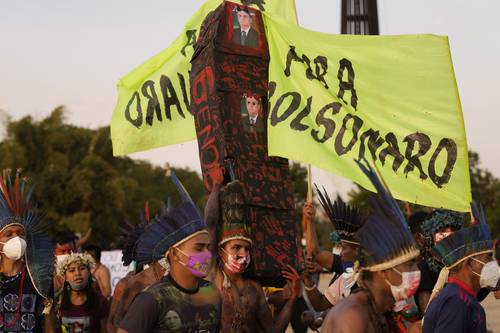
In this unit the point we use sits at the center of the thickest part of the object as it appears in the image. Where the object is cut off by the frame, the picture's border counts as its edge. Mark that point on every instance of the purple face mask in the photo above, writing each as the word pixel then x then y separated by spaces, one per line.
pixel 198 263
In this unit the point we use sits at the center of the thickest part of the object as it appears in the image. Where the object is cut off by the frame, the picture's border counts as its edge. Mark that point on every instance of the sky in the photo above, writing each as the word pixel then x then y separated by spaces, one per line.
pixel 72 53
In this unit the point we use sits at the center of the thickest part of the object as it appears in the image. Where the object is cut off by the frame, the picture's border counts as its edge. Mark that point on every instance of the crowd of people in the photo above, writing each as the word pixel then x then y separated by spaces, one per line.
pixel 426 272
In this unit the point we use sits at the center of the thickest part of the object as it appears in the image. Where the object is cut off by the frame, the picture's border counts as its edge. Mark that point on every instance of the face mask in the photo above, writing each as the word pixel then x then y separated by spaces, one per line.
pixel 407 288
pixel 14 248
pixel 236 263
pixel 490 273
pixel 198 263
pixel 337 250
pixel 78 286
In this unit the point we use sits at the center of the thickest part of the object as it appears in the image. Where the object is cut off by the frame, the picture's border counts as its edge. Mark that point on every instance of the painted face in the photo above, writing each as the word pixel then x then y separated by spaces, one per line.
pixel 244 20
pixel 408 276
pixel 173 320
pixel 236 255
pixel 253 107
pixel 237 247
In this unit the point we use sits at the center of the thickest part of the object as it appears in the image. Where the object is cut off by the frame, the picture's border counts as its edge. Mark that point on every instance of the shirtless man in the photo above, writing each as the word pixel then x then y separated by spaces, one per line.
pixel 99 272
pixel 244 305
pixel 388 258
pixel 346 221
pixel 115 300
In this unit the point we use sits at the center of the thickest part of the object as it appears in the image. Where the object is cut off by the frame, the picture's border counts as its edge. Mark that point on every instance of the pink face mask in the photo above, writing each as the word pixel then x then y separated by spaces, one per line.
pixel 198 263
pixel 407 288
pixel 236 263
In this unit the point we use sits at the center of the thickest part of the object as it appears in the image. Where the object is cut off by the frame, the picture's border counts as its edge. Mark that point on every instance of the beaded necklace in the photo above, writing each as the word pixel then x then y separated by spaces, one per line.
pixel 19 300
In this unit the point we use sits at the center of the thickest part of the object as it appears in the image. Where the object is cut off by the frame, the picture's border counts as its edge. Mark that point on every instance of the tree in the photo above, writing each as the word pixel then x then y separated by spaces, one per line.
pixel 486 192
pixel 78 182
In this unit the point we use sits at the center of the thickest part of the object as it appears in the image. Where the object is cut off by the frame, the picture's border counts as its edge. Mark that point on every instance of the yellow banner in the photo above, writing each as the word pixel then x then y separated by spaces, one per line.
pixel 153 100
pixel 390 99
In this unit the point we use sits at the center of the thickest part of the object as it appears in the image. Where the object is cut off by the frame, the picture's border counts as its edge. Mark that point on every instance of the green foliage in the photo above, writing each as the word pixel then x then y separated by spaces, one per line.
pixel 485 191
pixel 298 174
pixel 78 182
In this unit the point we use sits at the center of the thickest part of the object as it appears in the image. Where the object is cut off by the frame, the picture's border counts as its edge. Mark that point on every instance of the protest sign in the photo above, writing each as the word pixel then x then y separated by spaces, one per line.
pixel 390 99
pixel 113 261
pixel 153 108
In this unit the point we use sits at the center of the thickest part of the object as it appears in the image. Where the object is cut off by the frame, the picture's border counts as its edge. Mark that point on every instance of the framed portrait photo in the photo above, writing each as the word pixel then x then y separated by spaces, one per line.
pixel 244 26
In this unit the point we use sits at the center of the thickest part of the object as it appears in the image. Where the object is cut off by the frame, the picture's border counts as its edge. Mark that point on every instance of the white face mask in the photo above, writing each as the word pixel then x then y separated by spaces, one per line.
pixel 408 286
pixel 490 273
pixel 14 248
pixel 337 250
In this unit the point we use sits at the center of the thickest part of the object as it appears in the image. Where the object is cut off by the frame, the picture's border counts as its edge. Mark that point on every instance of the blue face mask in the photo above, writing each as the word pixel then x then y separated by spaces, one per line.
pixel 347 264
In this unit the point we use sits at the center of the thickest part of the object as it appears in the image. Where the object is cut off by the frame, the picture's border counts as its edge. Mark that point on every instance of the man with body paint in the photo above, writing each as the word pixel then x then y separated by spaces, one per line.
pixel 245 308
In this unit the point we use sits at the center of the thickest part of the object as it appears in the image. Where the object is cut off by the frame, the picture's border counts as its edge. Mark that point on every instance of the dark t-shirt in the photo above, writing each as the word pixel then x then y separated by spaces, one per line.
pixel 337 268
pixel 30 310
pixel 166 307
pixel 76 319
pixel 456 310
pixel 428 277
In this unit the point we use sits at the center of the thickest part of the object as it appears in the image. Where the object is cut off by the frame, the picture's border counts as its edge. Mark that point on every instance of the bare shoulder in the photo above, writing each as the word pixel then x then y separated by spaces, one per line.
pixel 136 282
pixel 121 284
pixel 256 287
pixel 349 315
pixel 255 283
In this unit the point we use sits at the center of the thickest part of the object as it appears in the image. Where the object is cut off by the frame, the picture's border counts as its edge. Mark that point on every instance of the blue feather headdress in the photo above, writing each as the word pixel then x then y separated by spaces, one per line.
pixel 385 238
pixel 15 209
pixel 130 236
pixel 465 242
pixel 345 219
pixel 170 228
pixel 440 219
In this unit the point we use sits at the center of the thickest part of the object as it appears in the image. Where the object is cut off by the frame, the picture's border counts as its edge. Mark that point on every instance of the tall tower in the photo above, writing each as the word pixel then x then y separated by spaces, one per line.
pixel 359 17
